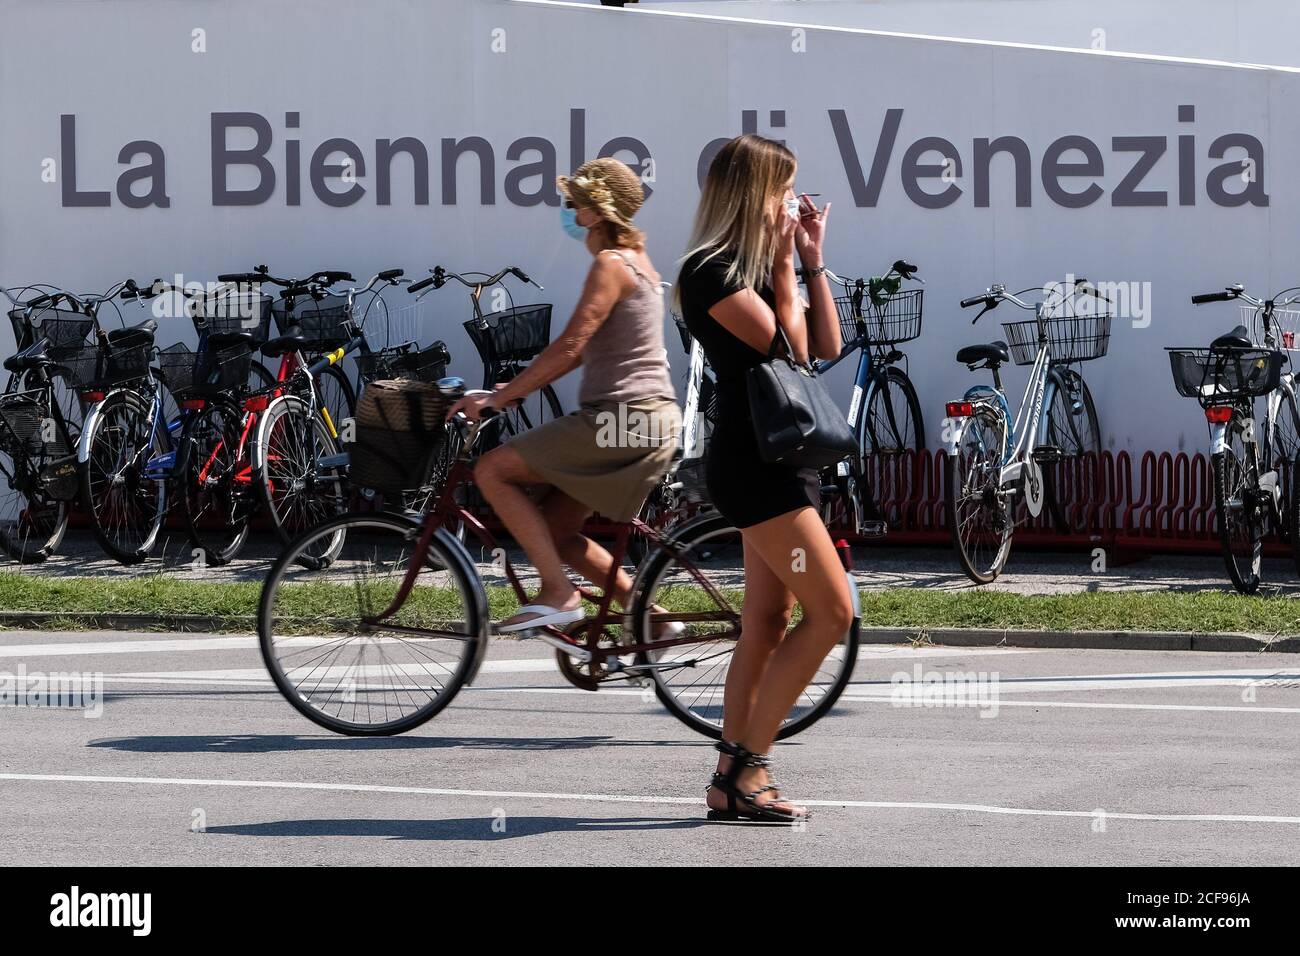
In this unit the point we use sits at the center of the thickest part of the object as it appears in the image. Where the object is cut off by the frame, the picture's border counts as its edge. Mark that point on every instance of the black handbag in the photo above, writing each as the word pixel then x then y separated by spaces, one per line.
pixel 795 420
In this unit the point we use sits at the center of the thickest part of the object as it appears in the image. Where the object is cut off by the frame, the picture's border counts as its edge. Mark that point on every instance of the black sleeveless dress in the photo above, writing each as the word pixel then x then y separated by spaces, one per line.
pixel 744 487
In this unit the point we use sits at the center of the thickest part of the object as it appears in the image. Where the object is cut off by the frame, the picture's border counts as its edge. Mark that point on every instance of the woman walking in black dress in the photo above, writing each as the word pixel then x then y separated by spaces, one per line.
pixel 736 286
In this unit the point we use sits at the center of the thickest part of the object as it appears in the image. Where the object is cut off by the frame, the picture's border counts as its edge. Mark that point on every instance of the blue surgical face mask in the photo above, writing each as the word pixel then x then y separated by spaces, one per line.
pixel 569 222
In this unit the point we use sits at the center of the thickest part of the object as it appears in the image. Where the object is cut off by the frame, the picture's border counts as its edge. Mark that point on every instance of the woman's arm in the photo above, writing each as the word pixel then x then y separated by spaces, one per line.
pixel 745 315
pixel 823 322
pixel 606 283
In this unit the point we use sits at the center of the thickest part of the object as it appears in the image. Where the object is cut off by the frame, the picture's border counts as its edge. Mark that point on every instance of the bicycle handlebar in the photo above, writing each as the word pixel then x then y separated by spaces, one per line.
pixel 438 278
pixel 1227 295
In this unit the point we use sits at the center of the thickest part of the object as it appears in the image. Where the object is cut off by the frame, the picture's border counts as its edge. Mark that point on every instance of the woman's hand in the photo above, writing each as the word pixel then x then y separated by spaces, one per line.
pixel 811 232
pixel 473 406
pixel 786 228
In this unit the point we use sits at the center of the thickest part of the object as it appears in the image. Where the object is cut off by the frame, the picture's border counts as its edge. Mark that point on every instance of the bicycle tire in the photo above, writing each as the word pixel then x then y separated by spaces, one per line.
pixel 119 422
pixel 446 556
pixel 1241 525
pixel 281 461
pixel 985 456
pixel 1075 440
pixel 700 534
pixel 41 520
pixel 218 510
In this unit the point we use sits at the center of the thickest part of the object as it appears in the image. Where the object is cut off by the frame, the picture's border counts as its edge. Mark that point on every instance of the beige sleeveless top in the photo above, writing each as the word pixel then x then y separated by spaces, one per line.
pixel 625 361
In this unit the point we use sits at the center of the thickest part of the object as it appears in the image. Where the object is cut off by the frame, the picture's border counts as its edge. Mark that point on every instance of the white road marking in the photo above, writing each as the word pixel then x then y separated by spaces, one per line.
pixel 635 798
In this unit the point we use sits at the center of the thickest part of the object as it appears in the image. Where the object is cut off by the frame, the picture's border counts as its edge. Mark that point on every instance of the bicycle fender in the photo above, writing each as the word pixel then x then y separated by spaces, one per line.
pixel 1218 438
pixel 88 426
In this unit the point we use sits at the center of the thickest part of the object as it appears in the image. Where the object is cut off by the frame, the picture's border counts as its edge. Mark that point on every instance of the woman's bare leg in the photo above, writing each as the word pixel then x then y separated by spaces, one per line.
pixel 503 475
pixel 797 550
pixel 566 516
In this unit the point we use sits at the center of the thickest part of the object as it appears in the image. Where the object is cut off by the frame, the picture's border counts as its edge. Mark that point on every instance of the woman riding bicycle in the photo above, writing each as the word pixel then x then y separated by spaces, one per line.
pixel 737 287
pixel 608 455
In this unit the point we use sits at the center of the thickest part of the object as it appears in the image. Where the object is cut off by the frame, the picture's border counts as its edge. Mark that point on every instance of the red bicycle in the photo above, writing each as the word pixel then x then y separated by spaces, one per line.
pixel 380 637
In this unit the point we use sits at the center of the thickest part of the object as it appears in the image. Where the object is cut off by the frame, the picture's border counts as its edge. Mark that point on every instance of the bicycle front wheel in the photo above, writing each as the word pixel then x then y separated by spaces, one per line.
pixel 219 502
pixel 979 513
pixel 122 488
pixel 335 654
pixel 1241 510
pixel 690 678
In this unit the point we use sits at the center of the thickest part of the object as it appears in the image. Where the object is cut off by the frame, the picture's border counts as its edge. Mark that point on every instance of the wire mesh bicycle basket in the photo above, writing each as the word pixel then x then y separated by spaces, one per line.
pixel 92 367
pixel 1217 375
pixel 187 373
pixel 323 321
pixel 425 365
pixel 230 312
pixel 1071 338
pixel 896 320
pixel 512 335
pixel 24 426
pixel 63 329
pixel 400 429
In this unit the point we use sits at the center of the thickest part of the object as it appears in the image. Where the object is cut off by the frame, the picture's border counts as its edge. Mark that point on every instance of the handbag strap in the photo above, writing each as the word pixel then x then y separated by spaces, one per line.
pixel 778 339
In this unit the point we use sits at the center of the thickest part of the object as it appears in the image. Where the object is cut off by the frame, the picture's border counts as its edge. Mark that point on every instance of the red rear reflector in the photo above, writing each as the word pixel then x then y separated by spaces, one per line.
pixel 194 404
pixel 93 397
pixel 960 409
pixel 1219 414
pixel 257 403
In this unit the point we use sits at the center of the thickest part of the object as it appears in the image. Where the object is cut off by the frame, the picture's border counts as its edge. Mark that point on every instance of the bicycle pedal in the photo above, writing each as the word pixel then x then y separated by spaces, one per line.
pixel 874 529
pixel 1045 454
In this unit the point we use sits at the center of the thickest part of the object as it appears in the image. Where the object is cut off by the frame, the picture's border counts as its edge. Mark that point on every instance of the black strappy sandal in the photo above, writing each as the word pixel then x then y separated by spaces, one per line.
pixel 745 806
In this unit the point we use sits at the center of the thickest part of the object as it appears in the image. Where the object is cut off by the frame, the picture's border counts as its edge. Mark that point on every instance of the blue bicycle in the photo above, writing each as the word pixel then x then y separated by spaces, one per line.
pixel 876 316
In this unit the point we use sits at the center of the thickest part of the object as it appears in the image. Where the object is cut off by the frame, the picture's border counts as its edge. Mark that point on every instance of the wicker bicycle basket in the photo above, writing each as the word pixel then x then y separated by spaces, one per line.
pixel 1071 338
pixel 400 428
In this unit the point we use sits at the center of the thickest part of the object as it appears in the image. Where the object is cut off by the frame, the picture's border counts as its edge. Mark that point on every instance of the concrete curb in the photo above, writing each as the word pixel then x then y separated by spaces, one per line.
pixel 1097 640
pixel 950 637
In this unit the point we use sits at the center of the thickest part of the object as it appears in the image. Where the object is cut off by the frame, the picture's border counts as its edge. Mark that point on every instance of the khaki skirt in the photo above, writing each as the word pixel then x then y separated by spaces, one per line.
pixel 608 455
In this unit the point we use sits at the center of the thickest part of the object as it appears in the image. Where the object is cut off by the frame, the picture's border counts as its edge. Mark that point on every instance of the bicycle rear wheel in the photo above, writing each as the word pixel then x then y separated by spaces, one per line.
pixel 1072 428
pixel 1242 514
pixel 297 491
pixel 218 504
pixel 348 672
pixel 979 513
pixel 31 522
pixel 690 679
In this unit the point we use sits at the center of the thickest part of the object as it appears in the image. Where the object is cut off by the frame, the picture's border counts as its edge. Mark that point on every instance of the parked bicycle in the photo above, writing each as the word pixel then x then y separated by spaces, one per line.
pixel 994 465
pixel 506 341
pixel 381 636
pixel 876 316
pixel 40 422
pixel 1249 464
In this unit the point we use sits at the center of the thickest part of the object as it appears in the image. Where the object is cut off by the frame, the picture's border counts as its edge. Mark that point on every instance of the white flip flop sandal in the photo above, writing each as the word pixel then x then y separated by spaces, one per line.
pixel 546 617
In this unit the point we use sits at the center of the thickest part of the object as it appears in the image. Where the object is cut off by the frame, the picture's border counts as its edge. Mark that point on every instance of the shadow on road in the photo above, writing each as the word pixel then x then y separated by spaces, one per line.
pixel 468 828
pixel 292 743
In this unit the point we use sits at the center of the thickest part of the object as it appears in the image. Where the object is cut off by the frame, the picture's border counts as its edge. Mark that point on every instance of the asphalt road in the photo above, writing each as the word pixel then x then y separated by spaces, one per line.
pixel 1089 757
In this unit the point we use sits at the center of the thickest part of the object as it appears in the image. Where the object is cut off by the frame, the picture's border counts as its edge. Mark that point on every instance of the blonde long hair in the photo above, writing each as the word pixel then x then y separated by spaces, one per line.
pixel 744 177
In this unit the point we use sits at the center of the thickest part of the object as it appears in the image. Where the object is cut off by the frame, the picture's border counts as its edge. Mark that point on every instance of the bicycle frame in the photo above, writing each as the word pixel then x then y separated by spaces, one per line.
pixel 446 508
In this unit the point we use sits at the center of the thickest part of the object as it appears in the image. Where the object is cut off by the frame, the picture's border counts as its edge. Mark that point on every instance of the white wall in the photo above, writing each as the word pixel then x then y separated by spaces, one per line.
pixel 428 70
pixel 1244 31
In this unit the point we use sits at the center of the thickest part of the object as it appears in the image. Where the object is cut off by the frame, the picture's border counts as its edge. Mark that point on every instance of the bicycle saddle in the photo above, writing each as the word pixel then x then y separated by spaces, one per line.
pixel 291 341
pixel 995 353
pixel 32 357
pixel 141 334
pixel 222 340
pixel 1238 338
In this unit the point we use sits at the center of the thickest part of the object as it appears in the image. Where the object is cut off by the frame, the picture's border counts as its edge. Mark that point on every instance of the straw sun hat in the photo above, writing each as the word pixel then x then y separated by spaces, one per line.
pixel 612 189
